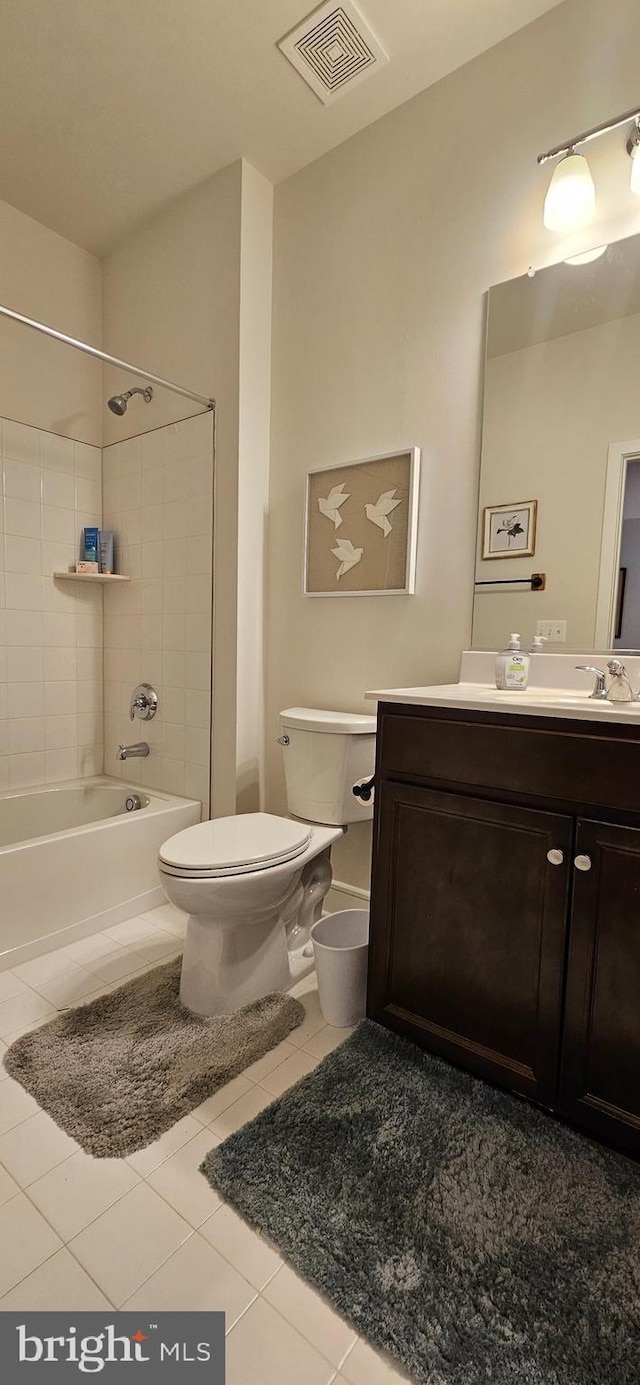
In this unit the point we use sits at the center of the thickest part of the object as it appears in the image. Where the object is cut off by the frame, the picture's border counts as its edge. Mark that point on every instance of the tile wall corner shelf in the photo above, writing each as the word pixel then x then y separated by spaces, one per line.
pixel 92 577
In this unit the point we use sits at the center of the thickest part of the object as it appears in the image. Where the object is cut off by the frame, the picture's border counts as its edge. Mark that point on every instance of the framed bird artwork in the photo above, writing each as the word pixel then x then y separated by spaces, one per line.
pixel 361 526
pixel 510 530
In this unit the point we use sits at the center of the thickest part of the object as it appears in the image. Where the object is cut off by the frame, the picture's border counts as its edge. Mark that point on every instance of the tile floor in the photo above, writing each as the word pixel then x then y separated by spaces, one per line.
pixel 148 1232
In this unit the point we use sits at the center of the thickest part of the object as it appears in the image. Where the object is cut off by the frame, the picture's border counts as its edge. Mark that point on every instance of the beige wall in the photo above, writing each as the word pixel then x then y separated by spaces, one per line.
pixel 42 382
pixel 551 414
pixel 171 303
pixel 383 252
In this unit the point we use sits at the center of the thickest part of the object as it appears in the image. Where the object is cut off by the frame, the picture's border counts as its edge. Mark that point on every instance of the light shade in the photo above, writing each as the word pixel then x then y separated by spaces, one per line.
pixel 634 181
pixel 571 198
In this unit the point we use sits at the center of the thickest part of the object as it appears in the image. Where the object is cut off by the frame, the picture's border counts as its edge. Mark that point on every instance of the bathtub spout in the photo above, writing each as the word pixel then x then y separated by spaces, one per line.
pixel 128 752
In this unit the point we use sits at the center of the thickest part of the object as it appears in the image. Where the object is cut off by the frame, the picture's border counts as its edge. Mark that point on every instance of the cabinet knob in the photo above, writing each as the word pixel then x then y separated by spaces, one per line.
pixel 555 856
pixel 582 863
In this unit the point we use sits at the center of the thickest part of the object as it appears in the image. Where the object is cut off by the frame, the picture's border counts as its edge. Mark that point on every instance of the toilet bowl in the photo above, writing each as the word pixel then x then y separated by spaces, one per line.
pixel 245 907
pixel 252 885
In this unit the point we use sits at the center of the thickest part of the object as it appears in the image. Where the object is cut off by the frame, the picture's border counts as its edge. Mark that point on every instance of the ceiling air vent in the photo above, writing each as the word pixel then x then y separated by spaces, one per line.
pixel 333 49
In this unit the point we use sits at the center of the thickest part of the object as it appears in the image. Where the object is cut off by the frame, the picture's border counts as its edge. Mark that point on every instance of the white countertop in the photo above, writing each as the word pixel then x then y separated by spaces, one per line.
pixel 556 688
pixel 543 702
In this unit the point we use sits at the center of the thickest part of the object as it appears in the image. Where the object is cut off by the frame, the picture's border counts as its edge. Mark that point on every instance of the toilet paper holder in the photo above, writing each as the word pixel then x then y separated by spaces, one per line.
pixel 364 789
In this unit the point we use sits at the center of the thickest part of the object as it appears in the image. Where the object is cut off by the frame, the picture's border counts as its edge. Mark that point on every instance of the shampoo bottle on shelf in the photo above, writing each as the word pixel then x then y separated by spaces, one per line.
pixel 512 666
pixel 90 544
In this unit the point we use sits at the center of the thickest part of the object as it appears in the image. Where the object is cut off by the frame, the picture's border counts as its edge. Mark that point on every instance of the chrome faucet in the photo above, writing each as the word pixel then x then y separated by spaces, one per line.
pixel 620 689
pixel 129 752
pixel 600 689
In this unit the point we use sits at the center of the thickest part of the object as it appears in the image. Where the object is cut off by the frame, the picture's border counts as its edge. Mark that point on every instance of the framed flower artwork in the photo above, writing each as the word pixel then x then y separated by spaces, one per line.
pixel 510 530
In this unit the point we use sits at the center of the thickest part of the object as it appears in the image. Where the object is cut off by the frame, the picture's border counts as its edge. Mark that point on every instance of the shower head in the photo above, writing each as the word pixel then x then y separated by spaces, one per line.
pixel 118 402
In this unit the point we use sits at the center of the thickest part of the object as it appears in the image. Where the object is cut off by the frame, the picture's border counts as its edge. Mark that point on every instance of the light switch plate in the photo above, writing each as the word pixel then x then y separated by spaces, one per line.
pixel 555 631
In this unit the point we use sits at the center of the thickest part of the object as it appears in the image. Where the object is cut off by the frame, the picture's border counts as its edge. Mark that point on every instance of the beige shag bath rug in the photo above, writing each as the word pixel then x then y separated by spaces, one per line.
pixel 119 1071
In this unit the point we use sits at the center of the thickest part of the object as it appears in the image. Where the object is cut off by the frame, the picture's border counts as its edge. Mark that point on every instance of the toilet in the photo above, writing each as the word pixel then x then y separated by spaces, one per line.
pixel 253 884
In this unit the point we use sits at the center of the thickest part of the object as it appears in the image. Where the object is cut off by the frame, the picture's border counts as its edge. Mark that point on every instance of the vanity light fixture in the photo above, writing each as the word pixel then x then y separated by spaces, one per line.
pixel 633 150
pixel 571 196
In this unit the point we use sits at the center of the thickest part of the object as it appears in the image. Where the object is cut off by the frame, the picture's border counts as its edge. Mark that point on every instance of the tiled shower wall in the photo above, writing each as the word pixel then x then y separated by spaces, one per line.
pixel 158 499
pixel 50 631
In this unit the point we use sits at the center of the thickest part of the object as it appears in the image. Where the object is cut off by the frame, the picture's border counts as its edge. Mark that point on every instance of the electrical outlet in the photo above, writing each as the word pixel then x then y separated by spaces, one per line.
pixel 555 631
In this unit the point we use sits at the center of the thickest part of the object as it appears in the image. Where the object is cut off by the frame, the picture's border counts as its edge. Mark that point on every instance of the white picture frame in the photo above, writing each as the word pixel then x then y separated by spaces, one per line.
pixel 361 526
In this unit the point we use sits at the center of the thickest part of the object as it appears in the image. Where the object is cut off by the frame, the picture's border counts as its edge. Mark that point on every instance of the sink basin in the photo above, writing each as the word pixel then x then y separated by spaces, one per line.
pixel 556 697
pixel 540 695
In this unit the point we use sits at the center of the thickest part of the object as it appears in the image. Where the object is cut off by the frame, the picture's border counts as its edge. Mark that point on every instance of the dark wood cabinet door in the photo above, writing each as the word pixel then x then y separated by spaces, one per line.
pixel 600 1079
pixel 468 932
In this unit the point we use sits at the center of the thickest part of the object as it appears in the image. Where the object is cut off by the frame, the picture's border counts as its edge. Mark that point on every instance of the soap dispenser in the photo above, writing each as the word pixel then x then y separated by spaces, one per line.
pixel 512 666
pixel 538 644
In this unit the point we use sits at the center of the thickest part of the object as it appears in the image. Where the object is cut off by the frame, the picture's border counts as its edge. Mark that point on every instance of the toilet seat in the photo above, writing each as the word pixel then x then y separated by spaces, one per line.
pixel 233 846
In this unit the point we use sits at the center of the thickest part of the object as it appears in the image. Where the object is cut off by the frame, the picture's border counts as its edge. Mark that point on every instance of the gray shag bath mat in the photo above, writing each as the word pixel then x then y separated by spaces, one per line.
pixel 464 1232
pixel 119 1071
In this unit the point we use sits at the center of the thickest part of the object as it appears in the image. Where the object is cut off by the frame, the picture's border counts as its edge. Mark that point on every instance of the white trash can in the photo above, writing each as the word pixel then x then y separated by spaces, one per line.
pixel 340 946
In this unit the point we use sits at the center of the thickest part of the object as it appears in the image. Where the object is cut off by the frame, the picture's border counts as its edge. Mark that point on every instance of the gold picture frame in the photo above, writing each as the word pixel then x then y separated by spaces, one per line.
pixel 361 522
pixel 509 531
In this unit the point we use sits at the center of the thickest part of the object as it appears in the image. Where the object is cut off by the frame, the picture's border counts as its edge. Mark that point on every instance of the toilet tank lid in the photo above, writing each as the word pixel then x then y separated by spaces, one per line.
pixel 339 723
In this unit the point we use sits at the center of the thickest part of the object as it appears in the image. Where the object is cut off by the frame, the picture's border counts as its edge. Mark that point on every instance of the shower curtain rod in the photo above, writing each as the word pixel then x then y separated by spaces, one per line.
pixel 103 356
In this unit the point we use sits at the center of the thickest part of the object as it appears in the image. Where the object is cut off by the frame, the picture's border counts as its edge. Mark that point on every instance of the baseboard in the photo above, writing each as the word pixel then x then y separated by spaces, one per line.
pixel 344 896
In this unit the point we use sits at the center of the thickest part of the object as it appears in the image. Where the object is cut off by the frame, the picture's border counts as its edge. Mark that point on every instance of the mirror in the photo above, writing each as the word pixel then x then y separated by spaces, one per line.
pixel 560 471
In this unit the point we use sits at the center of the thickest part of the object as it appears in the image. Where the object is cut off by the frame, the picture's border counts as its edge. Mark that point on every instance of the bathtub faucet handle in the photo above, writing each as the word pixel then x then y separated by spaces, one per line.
pixel 144 702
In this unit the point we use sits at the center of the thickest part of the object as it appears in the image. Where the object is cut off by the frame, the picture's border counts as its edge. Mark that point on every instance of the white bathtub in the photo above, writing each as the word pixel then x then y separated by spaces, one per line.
pixel 73 860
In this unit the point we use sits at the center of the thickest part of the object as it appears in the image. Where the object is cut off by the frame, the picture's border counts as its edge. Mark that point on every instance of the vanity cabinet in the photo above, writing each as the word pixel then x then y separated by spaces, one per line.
pixel 600 1079
pixel 505 916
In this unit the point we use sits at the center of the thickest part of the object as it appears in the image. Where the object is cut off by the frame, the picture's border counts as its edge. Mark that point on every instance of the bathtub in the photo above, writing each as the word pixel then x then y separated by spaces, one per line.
pixel 75 858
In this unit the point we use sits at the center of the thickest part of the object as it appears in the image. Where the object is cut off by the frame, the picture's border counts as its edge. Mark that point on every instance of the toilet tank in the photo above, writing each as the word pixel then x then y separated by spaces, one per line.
pixel 325 755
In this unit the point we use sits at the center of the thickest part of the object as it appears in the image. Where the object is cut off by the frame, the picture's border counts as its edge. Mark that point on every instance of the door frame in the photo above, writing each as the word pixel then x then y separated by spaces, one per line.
pixel 618 458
